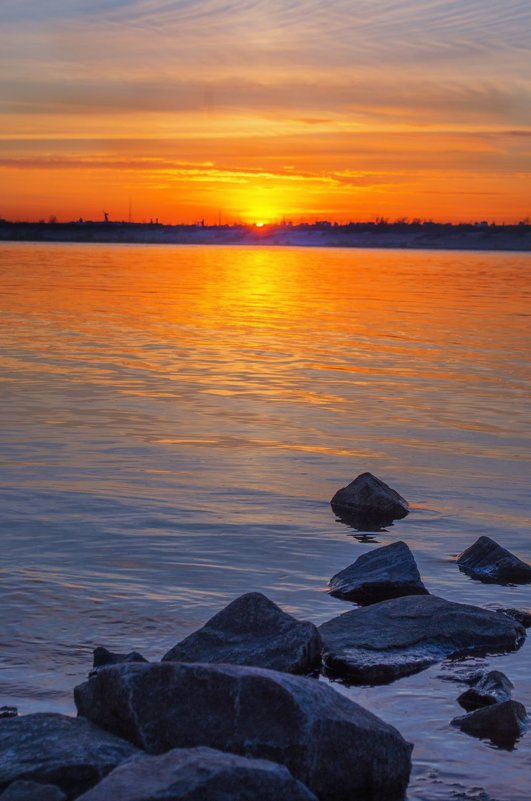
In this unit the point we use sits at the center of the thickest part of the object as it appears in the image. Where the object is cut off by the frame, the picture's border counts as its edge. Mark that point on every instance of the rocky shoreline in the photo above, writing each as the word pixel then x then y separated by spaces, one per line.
pixel 236 710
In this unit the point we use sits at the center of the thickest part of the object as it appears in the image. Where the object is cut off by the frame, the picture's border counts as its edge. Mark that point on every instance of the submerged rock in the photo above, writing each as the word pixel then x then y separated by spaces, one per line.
pixel 520 615
pixel 8 712
pixel 332 745
pixel 369 498
pixel 102 656
pixel 487 561
pixel 199 774
pixel 382 642
pixel 32 791
pixel 387 572
pixel 501 723
pixel 252 630
pixel 55 749
pixel 491 688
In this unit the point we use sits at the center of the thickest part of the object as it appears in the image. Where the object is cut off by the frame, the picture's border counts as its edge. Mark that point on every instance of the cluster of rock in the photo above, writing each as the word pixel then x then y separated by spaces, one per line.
pixel 232 711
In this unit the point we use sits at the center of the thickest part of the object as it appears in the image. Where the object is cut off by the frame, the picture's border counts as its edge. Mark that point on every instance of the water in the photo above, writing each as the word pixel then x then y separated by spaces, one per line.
pixel 176 419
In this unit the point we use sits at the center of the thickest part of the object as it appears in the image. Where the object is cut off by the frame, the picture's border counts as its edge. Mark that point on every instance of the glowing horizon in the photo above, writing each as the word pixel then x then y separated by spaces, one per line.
pixel 186 110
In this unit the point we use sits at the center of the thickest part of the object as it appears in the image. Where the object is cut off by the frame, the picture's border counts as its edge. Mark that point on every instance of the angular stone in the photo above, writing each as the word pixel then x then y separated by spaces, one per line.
pixel 252 630
pixel 501 723
pixel 382 642
pixel 387 572
pixel 332 745
pixel 102 656
pixel 55 749
pixel 520 615
pixel 199 774
pixel 31 791
pixel 487 561
pixel 491 688
pixel 368 497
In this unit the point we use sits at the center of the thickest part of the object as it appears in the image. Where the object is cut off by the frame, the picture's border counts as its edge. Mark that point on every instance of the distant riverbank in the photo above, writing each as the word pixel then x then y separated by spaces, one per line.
pixel 432 236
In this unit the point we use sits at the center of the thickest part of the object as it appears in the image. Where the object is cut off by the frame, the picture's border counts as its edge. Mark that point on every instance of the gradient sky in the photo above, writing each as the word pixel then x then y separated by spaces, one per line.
pixel 346 109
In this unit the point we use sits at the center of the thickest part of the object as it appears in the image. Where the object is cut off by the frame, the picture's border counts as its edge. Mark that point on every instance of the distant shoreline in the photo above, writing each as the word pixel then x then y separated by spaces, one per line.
pixel 400 235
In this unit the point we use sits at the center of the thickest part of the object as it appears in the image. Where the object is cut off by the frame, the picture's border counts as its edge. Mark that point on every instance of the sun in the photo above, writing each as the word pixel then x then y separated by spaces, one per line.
pixel 259 224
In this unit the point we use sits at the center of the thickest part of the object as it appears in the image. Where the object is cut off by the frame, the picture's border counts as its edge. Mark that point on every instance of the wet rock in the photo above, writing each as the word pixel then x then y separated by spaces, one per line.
pixel 487 561
pixel 387 572
pixel 55 749
pixel 491 688
pixel 8 712
pixel 502 723
pixel 31 791
pixel 368 498
pixel 520 615
pixel 103 657
pixel 317 733
pixel 199 774
pixel 252 630
pixel 382 642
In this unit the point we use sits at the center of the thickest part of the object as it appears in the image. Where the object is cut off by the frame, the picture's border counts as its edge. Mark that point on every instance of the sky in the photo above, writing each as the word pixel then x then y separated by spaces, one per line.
pixel 259 110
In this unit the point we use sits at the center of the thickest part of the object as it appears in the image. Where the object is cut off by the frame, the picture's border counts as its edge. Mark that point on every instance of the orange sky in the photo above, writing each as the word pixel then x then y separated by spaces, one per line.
pixel 261 110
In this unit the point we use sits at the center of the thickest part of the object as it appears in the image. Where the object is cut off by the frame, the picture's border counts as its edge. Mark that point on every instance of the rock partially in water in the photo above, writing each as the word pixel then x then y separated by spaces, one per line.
pixel 520 615
pixel 102 656
pixel 487 561
pixel 32 791
pixel 8 712
pixel 382 642
pixel 369 498
pixel 502 724
pixel 252 630
pixel 332 745
pixel 491 688
pixel 387 572
pixel 55 749
pixel 199 774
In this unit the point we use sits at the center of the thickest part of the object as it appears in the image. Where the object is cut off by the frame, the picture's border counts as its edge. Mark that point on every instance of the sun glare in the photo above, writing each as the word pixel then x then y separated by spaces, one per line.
pixel 259 224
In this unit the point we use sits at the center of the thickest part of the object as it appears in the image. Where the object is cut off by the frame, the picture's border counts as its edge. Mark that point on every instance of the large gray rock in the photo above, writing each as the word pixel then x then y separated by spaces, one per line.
pixel 199 774
pixel 252 630
pixel 501 723
pixel 369 498
pixel 387 572
pixel 487 561
pixel 491 688
pixel 380 643
pixel 56 749
pixel 332 745
pixel 31 791
pixel 102 656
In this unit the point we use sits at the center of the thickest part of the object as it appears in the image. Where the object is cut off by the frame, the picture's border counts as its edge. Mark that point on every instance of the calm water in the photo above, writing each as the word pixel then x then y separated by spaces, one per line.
pixel 176 419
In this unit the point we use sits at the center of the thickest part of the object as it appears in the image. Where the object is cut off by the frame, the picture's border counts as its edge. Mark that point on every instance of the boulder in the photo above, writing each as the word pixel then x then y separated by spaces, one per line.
pixel 487 561
pixel 384 641
pixel 329 743
pixel 8 712
pixel 102 656
pixel 387 572
pixel 502 723
pixel 252 630
pixel 520 615
pixel 199 774
pixel 369 498
pixel 491 688
pixel 55 749
pixel 31 791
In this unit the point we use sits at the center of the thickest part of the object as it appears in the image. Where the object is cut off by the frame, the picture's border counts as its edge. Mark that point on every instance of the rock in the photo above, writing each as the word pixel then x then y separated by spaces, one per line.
pixel 369 498
pixel 501 723
pixel 487 561
pixel 387 572
pixel 332 745
pixel 520 615
pixel 103 657
pixel 8 712
pixel 199 774
pixel 492 688
pixel 380 643
pixel 31 791
pixel 252 630
pixel 55 749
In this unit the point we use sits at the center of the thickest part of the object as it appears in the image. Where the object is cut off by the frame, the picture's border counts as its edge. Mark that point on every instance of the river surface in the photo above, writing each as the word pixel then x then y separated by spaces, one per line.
pixel 176 419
